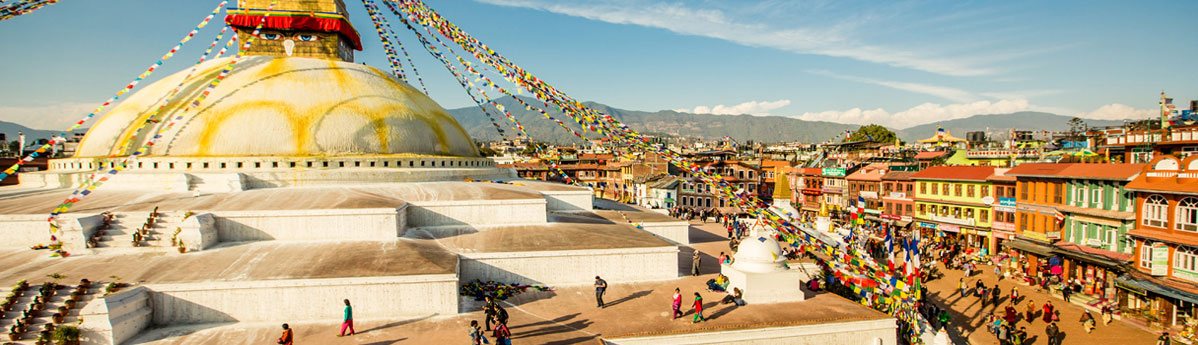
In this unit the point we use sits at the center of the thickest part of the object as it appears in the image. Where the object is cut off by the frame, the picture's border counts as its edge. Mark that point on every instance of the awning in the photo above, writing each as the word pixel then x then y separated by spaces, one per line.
pixel 1138 286
pixel 1029 246
pixel 1076 252
pixel 902 223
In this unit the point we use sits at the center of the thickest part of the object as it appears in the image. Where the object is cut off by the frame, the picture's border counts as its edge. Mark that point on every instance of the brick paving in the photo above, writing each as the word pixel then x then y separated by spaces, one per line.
pixel 968 314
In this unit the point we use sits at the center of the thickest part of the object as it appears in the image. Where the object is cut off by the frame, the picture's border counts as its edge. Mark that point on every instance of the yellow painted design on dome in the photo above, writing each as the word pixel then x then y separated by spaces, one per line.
pixel 212 121
pixel 273 68
pixel 172 108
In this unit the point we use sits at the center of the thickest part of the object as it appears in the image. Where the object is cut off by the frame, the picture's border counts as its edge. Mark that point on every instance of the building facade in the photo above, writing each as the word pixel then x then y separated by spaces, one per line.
pixel 951 202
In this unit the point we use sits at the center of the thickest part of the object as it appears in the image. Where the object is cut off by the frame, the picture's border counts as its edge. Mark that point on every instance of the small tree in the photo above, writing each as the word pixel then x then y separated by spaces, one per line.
pixel 873 133
pixel 1077 129
pixel 66 335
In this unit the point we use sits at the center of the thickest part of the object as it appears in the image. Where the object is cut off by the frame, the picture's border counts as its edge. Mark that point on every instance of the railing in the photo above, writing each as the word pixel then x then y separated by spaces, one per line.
pixel 1154 136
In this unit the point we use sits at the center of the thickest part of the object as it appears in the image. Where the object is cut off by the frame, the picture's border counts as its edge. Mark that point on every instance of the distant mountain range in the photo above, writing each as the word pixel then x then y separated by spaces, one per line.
pixel 998 124
pixel 741 127
pixel 11 129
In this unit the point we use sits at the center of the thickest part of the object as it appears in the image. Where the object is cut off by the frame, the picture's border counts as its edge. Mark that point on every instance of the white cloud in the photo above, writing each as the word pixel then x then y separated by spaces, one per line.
pixel 830 40
pixel 751 107
pixel 49 117
pixel 952 94
pixel 917 115
pixel 1118 111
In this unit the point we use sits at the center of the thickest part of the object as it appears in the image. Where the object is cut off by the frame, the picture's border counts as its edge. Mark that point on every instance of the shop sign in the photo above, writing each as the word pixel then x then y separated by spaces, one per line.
pixel 1053 235
pixel 898 195
pixel 1160 259
pixel 1035 235
pixel 905 218
pixel 960 221
pixel 1003 226
pixel 1006 202
pixel 1130 288
pixel 869 194
pixel 833 171
pixel 950 228
pixel 890 216
pixel 927 225
pixel 1093 242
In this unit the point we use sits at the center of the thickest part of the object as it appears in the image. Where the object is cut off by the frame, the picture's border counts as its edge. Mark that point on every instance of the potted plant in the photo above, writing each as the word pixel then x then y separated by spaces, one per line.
pixel 14 333
pixel 182 248
pixel 6 306
pixel 112 287
pixel 66 335
pixel 71 303
pixel 57 318
pixel 64 310
pixel 49 327
pixel 44 338
pixel 84 283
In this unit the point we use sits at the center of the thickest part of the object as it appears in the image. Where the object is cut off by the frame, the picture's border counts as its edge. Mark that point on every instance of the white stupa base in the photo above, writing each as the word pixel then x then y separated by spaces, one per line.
pixel 823 224
pixel 765 287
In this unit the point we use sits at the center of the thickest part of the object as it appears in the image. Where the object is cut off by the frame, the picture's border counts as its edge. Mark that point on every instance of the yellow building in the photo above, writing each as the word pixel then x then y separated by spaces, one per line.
pixel 955 202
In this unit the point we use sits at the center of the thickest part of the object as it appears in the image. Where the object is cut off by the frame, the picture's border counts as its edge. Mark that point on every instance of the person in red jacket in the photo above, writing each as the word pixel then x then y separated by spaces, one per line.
pixel 286 338
pixel 698 308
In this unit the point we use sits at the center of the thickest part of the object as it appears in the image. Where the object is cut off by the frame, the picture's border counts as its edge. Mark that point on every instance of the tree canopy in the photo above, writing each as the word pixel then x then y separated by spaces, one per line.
pixel 873 133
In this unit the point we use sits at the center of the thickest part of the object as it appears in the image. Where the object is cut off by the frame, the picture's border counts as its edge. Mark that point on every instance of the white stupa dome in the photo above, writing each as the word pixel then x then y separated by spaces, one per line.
pixel 759 252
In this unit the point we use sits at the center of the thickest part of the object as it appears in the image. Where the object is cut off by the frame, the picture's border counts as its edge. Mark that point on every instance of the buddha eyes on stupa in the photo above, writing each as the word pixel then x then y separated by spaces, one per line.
pixel 271 37
pixel 307 38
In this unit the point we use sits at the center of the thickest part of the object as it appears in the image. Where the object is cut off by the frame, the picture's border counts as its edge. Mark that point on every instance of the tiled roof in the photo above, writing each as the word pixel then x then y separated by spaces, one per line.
pixel 955 173
pixel 898 175
pixel 1097 171
pixel 872 172
pixel 1164 236
pixel 1094 251
pixel 930 154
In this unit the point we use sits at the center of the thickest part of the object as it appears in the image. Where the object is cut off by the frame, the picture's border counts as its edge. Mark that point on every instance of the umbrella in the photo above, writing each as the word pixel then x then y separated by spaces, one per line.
pixel 1085 153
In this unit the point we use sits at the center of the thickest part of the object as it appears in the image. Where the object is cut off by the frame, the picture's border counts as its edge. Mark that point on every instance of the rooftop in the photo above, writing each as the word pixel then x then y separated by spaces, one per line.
pixel 955 173
pixel 1094 171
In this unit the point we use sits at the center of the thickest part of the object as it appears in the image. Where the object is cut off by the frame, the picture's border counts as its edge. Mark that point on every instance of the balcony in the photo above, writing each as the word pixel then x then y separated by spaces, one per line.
pixel 1001 154
pixel 1157 136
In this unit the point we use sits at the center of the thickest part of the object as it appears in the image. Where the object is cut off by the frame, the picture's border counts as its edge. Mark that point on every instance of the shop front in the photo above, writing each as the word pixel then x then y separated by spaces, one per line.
pixel 1095 269
pixel 1158 303
pixel 1032 258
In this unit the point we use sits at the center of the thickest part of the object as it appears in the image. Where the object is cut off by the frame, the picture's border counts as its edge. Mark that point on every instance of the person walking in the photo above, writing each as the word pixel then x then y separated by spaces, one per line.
pixel 1030 312
pixel 1107 313
pixel 476 334
pixel 502 335
pixel 1048 309
pixel 995 294
pixel 349 320
pixel 1164 339
pixel 1065 292
pixel 1014 294
pixel 1087 321
pixel 677 303
pixel 1053 333
pixel 695 261
pixel 600 288
pixel 944 319
pixel 1010 315
pixel 698 306
pixel 961 286
pixel 489 312
pixel 286 338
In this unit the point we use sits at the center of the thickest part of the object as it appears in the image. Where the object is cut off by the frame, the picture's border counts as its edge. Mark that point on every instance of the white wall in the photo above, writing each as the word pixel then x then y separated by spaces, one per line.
pixel 476 212
pixel 871 332
pixel 573 266
pixel 112 320
pixel 304 300
pixel 330 224
pixel 568 200
pixel 675 232
pixel 25 230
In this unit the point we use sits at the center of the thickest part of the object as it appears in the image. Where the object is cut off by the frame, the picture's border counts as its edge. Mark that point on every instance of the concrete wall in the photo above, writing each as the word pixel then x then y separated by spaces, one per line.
pixel 871 332
pixel 675 232
pixel 112 320
pixel 331 224
pixel 573 266
pixel 304 300
pixel 568 200
pixel 25 230
pixel 199 232
pixel 477 212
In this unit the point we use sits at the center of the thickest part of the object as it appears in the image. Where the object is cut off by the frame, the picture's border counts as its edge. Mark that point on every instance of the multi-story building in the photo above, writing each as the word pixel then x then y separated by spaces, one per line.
pixel 866 183
pixel 1038 223
pixel 950 201
pixel 1002 224
pixel 897 192
pixel 834 187
pixel 1162 289
pixel 810 188
pixel 1097 214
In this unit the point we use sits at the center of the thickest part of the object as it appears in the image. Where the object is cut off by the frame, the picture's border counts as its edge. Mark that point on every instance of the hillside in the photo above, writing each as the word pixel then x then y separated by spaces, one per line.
pixel 998 123
pixel 739 127
pixel 11 129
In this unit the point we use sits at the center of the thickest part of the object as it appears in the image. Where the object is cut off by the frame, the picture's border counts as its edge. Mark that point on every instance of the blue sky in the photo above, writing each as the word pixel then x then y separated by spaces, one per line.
pixel 895 63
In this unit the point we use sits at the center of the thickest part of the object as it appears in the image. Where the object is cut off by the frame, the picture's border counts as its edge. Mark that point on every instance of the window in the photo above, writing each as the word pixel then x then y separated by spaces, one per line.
pixel 1146 255
pixel 969 213
pixel 1023 221
pixel 1096 197
pixel 1058 191
pixel 923 188
pixel 922 209
pixel 1155 209
pixel 969 191
pixel 944 189
pixel 1023 191
pixel 1108 241
pixel 985 215
pixel 1185 259
pixel 985 190
pixel 935 190
pixel 1187 214
pixel 956 189
pixel 1079 196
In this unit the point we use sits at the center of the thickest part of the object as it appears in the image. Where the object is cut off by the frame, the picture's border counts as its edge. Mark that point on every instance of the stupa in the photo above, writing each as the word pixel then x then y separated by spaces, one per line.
pixel 759 270
pixel 306 179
